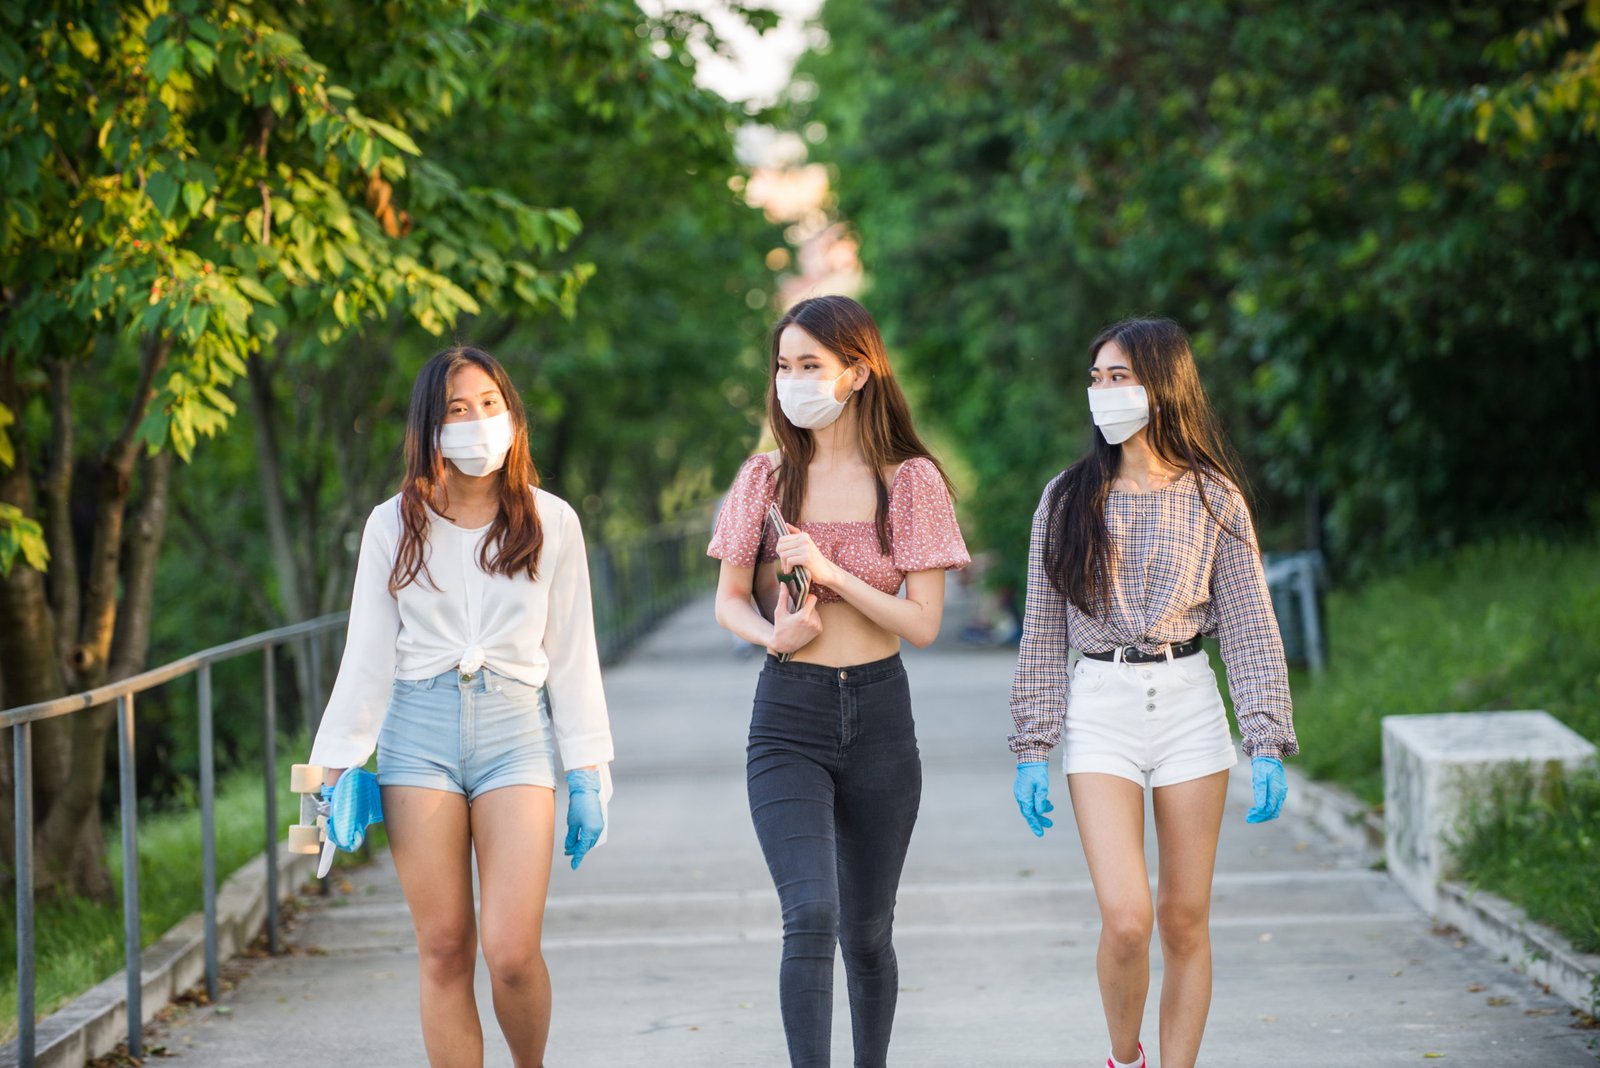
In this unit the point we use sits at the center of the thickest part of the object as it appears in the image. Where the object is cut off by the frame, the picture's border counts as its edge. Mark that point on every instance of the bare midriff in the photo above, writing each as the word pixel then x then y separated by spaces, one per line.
pixel 848 637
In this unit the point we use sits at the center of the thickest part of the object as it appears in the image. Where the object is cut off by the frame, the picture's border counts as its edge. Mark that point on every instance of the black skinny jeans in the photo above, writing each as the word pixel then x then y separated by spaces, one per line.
pixel 835 780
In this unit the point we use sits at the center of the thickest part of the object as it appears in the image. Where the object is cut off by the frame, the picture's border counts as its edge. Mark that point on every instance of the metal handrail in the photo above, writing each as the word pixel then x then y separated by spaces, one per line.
pixel 78 702
pixel 21 720
pixel 635 584
pixel 1299 575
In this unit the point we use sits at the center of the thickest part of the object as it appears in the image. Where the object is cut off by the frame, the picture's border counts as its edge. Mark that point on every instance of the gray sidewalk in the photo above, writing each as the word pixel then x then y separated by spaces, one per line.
pixel 664 949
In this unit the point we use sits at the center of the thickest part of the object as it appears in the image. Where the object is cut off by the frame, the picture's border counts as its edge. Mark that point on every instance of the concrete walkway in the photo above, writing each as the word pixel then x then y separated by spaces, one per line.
pixel 664 949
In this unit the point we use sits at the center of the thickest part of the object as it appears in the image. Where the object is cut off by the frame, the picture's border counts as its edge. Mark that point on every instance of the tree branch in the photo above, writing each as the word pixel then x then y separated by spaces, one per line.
pixel 263 409
pixel 91 657
pixel 122 454
pixel 66 597
pixel 141 554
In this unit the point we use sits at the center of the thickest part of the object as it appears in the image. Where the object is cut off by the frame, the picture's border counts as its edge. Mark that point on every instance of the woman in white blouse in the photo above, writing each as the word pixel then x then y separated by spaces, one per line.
pixel 471 658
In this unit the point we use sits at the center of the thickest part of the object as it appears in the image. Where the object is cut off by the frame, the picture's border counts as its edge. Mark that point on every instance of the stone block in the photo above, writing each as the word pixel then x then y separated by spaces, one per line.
pixel 1436 766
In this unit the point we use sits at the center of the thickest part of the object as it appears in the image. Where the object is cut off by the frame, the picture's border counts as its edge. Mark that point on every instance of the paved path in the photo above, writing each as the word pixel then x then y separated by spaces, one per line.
pixel 664 949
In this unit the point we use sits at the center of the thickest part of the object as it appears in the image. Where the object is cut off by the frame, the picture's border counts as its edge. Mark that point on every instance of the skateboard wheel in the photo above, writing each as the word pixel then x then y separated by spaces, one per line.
pixel 305 778
pixel 303 839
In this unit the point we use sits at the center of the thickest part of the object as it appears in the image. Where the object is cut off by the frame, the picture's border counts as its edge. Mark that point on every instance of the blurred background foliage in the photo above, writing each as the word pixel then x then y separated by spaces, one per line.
pixel 231 232
pixel 1378 221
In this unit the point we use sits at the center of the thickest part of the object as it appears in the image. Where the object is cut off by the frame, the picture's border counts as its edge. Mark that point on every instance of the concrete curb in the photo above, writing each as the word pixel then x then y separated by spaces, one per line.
pixel 1495 923
pixel 1532 948
pixel 1338 814
pixel 95 1022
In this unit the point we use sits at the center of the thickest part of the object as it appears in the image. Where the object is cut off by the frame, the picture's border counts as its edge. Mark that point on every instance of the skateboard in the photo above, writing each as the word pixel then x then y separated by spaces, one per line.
pixel 309 835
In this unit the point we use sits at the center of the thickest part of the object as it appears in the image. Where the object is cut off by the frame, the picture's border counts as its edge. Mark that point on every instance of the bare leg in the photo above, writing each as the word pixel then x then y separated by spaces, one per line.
pixel 1110 814
pixel 1188 821
pixel 513 832
pixel 428 837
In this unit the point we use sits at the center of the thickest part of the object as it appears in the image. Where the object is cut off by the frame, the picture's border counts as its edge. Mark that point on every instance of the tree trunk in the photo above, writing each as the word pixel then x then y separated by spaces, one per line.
pixel 62 578
pixel 28 662
pixel 131 649
pixel 292 598
pixel 70 754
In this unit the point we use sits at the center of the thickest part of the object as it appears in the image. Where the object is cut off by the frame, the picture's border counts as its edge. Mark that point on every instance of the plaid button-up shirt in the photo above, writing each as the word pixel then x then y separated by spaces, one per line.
pixel 1177 573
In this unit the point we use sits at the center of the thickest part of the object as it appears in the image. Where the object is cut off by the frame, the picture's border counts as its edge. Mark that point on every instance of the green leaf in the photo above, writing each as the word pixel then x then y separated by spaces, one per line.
pixel 253 289
pixel 8 455
pixel 22 536
pixel 26 216
pixel 278 96
pixel 396 137
pixel 194 197
pixel 164 57
pixel 163 193
pixel 219 400
pixel 204 58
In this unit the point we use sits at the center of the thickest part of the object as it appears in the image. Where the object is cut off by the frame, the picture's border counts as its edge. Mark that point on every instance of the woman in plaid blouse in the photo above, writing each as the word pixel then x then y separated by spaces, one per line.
pixel 1138 548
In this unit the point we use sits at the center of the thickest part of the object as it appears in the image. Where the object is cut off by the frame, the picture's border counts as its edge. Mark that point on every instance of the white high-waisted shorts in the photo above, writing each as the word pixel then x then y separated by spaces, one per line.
pixel 1154 724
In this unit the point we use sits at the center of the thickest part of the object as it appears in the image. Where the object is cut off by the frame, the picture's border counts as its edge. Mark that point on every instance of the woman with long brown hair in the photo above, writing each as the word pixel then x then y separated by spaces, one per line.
pixel 470 661
pixel 833 772
pixel 1140 547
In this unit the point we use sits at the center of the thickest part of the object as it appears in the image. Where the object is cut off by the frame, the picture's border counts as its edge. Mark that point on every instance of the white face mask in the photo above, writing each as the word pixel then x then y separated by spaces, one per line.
pixel 809 402
pixel 1119 411
pixel 477 447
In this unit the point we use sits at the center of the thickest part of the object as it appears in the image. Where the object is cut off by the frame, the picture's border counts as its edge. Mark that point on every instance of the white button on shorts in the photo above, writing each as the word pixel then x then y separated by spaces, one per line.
pixel 1158 725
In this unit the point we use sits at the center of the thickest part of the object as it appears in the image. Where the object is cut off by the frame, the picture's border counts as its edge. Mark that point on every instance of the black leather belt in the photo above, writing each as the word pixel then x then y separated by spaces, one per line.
pixel 1131 655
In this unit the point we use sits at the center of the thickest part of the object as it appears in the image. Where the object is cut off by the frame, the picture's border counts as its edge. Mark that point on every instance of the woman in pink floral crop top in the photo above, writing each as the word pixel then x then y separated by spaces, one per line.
pixel 833 772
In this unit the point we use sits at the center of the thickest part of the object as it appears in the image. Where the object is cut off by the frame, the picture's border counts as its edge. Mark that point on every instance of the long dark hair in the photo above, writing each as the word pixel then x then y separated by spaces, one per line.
pixel 887 436
pixel 1183 432
pixel 516 536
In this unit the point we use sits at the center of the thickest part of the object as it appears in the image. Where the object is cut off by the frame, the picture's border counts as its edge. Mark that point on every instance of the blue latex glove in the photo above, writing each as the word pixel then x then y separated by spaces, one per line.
pixel 584 818
pixel 354 804
pixel 1032 791
pixel 1266 775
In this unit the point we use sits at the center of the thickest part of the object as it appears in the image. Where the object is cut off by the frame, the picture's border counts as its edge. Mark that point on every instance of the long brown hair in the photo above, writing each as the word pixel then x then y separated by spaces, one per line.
pixel 516 536
pixel 1183 432
pixel 883 418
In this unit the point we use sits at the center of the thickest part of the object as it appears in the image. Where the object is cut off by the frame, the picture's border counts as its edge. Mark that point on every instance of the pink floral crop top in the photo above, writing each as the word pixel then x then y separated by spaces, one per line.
pixel 923 534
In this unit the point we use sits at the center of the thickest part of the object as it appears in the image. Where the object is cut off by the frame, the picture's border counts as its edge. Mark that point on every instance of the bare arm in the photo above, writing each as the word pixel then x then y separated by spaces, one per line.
pixel 914 617
pixel 736 612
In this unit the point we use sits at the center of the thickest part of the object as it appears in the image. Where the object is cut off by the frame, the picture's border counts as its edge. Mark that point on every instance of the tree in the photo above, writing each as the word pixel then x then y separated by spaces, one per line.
pixel 182 184
pixel 1355 269
pixel 644 156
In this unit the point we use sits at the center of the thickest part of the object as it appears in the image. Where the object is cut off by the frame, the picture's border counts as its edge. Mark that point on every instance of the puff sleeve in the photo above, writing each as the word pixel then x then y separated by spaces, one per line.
pixel 741 521
pixel 922 520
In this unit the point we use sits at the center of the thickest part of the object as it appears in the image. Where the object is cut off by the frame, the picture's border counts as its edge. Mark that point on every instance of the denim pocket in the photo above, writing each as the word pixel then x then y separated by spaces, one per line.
pixel 402 687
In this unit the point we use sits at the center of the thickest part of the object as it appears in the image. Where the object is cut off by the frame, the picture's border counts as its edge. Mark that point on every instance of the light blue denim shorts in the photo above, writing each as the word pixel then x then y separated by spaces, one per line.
pixel 467 733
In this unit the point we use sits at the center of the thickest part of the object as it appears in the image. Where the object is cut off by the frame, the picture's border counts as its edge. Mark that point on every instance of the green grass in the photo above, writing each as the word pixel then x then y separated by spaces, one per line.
pixel 1509 625
pixel 1538 843
pixel 79 942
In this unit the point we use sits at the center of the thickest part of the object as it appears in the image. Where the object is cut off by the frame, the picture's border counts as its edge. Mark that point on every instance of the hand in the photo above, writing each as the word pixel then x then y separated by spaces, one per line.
pixel 356 805
pixel 793 630
pixel 585 820
pixel 330 776
pixel 1266 775
pixel 798 550
pixel 1032 791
